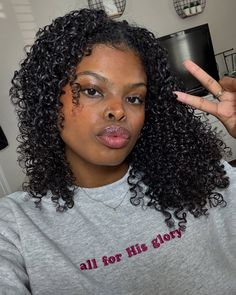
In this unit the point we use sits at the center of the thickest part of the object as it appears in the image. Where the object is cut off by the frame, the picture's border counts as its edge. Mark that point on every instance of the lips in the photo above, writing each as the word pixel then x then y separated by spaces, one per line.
pixel 115 137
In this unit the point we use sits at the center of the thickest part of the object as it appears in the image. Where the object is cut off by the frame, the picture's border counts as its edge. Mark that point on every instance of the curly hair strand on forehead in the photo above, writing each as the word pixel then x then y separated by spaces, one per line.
pixel 177 157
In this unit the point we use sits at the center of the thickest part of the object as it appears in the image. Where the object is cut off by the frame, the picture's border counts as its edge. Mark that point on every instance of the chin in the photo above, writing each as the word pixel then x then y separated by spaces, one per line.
pixel 112 159
pixel 110 163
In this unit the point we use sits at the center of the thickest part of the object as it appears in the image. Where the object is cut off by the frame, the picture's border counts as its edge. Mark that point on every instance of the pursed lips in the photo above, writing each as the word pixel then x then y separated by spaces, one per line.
pixel 113 136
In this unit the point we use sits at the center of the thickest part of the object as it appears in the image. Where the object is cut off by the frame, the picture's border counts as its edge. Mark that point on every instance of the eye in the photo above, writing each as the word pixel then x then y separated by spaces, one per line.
pixel 134 99
pixel 92 92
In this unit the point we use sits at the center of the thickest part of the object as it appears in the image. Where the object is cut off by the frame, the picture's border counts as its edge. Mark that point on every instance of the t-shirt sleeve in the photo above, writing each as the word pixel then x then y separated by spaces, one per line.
pixel 13 275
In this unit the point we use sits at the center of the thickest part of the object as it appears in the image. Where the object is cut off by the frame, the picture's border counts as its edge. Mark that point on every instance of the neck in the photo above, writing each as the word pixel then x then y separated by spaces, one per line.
pixel 95 176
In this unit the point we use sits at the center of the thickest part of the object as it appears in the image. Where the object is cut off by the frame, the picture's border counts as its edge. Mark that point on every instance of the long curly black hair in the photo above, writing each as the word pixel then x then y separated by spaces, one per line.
pixel 177 157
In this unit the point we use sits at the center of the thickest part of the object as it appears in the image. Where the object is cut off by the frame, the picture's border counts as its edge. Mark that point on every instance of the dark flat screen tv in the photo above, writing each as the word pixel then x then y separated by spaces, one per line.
pixel 195 44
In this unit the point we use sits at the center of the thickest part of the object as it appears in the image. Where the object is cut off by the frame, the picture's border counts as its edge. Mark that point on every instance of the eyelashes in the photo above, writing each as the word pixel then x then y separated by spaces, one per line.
pixel 95 92
pixel 92 92
pixel 134 99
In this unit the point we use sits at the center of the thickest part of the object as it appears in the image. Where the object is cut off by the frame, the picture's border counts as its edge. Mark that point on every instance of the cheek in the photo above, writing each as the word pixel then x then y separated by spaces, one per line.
pixel 79 122
pixel 138 122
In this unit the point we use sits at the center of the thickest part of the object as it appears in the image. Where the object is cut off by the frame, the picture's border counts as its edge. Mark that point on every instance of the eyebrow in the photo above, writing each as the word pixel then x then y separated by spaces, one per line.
pixel 104 79
pixel 90 73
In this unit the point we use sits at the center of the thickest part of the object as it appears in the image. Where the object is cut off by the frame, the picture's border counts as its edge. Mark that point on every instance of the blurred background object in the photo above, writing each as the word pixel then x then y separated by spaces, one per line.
pixel 3 139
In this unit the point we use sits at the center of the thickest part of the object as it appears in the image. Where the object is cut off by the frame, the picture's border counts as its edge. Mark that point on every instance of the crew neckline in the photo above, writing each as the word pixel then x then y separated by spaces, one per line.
pixel 110 193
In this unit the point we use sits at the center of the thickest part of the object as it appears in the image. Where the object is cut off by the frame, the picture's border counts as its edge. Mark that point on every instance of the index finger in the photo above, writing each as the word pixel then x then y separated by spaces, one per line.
pixel 198 102
pixel 206 80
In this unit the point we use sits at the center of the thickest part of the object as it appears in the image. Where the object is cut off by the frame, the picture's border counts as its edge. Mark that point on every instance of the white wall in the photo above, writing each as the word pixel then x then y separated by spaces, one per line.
pixel 24 17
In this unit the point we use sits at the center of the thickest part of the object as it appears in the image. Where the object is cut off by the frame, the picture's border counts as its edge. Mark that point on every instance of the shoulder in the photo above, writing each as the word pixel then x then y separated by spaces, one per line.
pixel 14 199
pixel 20 203
pixel 228 167
pixel 12 204
pixel 224 216
pixel 230 192
pixel 17 198
pixel 18 211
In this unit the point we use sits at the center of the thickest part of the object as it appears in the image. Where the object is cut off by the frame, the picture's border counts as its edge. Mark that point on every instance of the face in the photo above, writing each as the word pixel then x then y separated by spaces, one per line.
pixel 105 125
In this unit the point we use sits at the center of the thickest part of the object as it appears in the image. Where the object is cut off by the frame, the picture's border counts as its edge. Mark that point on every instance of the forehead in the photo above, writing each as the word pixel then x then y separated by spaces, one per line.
pixel 113 61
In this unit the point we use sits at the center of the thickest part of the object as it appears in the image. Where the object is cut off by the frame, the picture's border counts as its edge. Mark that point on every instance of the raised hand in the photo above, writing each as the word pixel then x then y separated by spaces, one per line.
pixel 225 90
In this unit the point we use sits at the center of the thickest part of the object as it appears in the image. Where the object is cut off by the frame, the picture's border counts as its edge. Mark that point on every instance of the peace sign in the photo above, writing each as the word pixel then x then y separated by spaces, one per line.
pixel 225 90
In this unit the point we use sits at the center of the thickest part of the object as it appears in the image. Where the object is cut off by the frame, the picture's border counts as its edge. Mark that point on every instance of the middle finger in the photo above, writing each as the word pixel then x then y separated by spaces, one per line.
pixel 206 80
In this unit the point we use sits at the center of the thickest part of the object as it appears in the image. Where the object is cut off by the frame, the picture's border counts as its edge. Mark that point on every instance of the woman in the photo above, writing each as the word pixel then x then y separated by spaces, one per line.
pixel 123 175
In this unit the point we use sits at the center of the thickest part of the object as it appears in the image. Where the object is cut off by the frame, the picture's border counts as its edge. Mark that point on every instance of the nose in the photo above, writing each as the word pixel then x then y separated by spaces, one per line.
pixel 115 112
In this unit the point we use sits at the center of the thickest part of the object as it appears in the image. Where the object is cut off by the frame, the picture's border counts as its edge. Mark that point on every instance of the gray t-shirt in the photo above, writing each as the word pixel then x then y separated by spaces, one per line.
pixel 93 249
